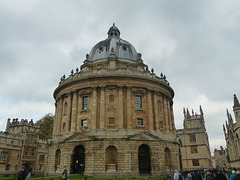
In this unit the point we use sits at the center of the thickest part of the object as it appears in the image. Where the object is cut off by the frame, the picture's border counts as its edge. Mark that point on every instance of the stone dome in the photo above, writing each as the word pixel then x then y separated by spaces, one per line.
pixel 122 48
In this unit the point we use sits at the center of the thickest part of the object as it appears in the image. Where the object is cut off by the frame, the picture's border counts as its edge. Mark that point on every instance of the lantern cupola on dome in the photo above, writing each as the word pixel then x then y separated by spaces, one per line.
pixel 122 49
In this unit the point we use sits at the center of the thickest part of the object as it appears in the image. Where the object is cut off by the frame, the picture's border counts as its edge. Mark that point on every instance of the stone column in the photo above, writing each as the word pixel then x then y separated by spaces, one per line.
pixel 102 108
pixel 166 114
pixel 74 112
pixel 150 111
pixel 68 120
pixel 120 107
pixel 56 118
pixel 156 112
pixel 94 108
pixel 59 121
pixel 169 116
pixel 172 118
pixel 129 108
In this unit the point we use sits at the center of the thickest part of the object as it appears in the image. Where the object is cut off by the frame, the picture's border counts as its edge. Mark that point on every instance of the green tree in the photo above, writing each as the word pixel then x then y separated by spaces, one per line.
pixel 46 126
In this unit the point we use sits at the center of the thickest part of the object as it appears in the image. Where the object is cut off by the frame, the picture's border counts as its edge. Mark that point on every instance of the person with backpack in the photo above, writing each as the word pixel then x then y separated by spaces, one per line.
pixel 21 174
pixel 177 175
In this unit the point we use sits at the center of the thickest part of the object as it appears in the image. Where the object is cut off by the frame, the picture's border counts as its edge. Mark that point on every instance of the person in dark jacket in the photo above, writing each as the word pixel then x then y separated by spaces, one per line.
pixel 21 174
pixel 220 176
pixel 64 174
pixel 196 175
pixel 209 176
pixel 237 177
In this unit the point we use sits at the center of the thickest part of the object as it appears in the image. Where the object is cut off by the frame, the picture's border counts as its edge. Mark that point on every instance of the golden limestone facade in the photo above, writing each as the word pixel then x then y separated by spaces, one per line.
pixel 114 116
pixel 20 146
pixel 195 149
pixel 232 134
pixel 221 159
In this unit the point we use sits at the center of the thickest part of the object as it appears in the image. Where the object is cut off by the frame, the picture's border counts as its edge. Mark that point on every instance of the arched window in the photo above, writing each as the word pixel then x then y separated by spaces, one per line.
pixel 57 157
pixel 111 155
pixel 111 159
pixel 168 157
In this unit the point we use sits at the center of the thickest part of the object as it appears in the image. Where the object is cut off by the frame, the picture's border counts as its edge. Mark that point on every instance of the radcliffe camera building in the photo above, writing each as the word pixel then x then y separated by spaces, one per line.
pixel 232 134
pixel 114 116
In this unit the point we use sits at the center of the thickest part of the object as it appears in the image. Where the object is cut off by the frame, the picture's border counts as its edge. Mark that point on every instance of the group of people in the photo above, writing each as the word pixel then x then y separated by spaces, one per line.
pixel 22 174
pixel 210 175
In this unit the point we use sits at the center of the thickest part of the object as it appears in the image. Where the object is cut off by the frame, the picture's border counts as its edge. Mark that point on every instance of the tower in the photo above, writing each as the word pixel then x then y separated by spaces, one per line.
pixel 195 150
pixel 232 134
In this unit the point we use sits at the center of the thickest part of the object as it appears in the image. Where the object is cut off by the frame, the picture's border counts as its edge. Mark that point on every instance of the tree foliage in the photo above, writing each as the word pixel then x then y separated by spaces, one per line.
pixel 46 126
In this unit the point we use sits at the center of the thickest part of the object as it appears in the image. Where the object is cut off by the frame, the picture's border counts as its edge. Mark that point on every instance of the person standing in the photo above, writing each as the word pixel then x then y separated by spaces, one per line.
pixel 29 172
pixel 21 174
pixel 237 177
pixel 209 176
pixel 232 175
pixel 220 176
pixel 189 176
pixel 177 175
pixel 64 174
pixel 196 175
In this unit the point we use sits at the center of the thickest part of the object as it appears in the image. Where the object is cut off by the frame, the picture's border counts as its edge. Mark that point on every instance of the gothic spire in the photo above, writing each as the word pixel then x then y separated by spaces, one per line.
pixel 201 111
pixel 236 102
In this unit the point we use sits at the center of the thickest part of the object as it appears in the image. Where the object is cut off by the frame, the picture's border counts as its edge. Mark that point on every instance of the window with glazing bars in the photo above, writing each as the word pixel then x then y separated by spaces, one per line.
pixel 139 102
pixel 85 103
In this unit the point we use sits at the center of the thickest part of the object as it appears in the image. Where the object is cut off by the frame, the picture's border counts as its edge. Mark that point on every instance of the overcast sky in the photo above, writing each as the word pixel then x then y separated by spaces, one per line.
pixel 194 43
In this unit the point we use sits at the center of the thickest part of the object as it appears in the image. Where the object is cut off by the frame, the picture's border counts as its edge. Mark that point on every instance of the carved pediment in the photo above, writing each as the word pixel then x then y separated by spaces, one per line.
pixel 144 136
pixel 78 137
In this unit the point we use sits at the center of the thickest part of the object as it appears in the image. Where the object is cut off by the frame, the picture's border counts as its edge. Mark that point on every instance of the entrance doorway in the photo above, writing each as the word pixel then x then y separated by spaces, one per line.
pixel 144 160
pixel 78 160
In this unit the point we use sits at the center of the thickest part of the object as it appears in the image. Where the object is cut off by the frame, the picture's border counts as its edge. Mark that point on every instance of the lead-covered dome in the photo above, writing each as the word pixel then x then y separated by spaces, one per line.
pixel 122 48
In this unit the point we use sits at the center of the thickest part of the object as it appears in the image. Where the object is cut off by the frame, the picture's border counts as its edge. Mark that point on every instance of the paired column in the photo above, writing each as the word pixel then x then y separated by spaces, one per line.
pixel 94 108
pixel 157 122
pixel 120 107
pixel 150 111
pixel 68 120
pixel 166 114
pixel 129 108
pixel 74 112
pixel 55 123
pixel 102 108
pixel 59 116
pixel 169 116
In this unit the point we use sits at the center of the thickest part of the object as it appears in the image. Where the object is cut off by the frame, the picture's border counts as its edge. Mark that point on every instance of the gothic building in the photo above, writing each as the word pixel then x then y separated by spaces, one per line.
pixel 114 116
pixel 20 146
pixel 221 159
pixel 195 149
pixel 232 134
